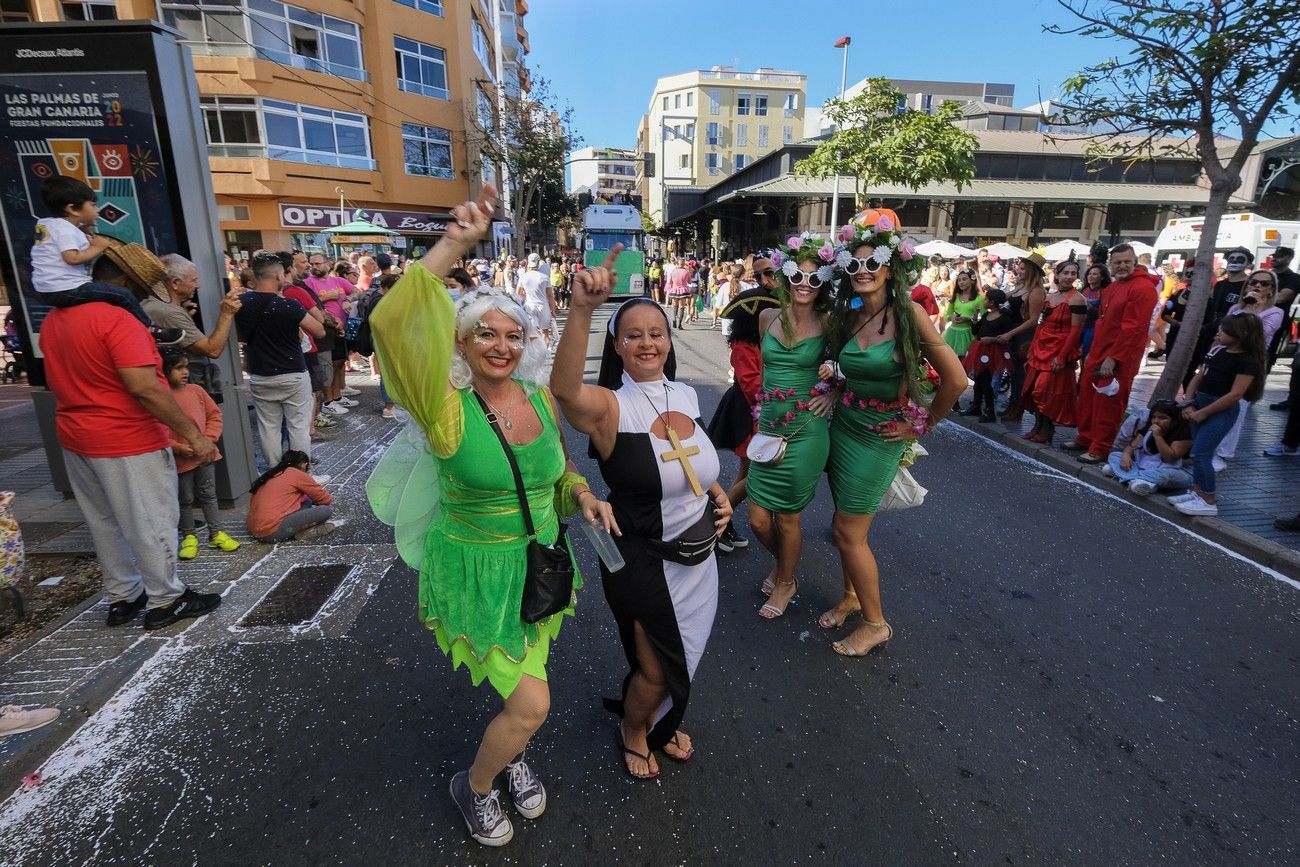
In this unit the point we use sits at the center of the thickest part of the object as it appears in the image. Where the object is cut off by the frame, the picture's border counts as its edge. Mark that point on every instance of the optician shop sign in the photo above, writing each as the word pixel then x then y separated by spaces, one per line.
pixel 311 217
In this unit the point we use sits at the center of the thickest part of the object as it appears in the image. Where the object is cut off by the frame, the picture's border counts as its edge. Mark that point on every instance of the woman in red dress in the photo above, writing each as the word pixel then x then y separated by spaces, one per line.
pixel 1050 383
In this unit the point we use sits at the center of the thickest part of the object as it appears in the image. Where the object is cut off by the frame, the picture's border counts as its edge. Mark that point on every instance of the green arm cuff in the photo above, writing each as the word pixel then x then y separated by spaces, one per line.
pixel 565 502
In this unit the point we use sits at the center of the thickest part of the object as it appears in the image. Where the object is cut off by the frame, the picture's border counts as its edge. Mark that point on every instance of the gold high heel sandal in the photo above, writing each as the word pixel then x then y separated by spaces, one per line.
pixel 843 648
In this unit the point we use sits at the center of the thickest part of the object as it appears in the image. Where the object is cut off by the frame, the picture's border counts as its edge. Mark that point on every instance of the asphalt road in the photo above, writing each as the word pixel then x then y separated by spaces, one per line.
pixel 1071 681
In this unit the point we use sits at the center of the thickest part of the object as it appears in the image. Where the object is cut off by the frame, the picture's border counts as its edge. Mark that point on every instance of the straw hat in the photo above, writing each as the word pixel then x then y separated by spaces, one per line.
pixel 1037 259
pixel 140 266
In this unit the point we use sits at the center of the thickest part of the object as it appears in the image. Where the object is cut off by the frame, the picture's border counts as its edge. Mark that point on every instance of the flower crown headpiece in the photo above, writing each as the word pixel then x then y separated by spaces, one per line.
pixel 880 231
pixel 805 247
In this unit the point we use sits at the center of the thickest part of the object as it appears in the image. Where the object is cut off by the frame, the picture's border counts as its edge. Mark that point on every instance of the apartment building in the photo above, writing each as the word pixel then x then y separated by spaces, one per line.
pixel 306 101
pixel 602 172
pixel 924 95
pixel 704 125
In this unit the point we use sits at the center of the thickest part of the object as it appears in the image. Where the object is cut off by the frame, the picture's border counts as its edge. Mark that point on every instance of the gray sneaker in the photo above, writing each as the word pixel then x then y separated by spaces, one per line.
pixel 527 792
pixel 487 822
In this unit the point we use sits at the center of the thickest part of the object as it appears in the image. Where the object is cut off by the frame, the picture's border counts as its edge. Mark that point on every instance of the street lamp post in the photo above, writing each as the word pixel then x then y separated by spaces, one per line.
pixel 842 42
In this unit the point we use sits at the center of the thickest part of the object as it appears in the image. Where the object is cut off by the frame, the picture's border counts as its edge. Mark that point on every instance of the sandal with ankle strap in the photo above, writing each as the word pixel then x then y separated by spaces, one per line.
pixel 843 648
pixel 827 619
pixel 780 612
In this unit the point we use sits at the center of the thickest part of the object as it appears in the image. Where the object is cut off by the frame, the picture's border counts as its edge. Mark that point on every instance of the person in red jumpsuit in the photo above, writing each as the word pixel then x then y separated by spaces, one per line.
pixel 1118 343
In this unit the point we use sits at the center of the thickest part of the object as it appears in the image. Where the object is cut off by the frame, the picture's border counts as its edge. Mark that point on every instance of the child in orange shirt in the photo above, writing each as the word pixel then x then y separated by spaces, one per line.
pixel 195 482
pixel 288 503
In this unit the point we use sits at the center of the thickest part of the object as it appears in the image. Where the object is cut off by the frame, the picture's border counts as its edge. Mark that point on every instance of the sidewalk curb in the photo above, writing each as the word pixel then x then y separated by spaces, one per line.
pixel 1250 545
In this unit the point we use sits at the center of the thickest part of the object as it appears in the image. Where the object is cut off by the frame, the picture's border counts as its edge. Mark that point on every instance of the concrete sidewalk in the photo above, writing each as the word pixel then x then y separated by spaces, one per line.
pixel 78 662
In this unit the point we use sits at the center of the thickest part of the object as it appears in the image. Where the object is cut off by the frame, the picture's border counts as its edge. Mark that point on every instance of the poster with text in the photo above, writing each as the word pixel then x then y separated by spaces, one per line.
pixel 97 127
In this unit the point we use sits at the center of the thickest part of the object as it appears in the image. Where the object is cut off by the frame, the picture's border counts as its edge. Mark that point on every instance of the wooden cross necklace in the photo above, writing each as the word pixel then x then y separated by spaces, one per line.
pixel 678 452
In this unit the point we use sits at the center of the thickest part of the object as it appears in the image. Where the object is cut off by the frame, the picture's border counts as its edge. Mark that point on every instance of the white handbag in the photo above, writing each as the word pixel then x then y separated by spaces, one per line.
pixel 904 493
pixel 766 449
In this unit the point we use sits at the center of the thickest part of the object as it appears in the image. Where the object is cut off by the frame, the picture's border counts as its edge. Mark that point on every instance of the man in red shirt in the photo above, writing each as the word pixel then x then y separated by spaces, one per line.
pixel 113 409
pixel 1118 343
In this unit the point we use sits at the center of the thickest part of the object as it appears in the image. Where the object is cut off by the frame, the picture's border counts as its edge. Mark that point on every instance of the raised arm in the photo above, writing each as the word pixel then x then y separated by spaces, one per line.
pixel 589 408
pixel 414 327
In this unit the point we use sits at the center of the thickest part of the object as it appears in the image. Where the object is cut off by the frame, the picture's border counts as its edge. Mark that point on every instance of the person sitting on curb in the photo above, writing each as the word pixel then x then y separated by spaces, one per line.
pixel 1154 458
pixel 288 503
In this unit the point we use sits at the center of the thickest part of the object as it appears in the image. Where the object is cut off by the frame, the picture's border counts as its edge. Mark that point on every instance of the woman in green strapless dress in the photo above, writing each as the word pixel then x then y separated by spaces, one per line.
pixel 966 308
pixel 881 344
pixel 793 404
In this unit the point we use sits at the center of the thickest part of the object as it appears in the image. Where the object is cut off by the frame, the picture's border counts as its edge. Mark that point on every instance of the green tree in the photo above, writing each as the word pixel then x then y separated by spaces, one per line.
pixel 529 138
pixel 876 142
pixel 1187 69
pixel 648 224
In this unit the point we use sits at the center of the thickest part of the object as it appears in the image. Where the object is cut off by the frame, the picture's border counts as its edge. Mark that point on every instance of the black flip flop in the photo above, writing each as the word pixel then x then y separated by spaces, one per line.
pixel 618 737
pixel 681 761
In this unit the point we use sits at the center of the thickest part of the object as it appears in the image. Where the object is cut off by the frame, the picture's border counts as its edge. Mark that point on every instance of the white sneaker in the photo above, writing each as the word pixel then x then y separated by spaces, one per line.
pixel 315 531
pixel 349 391
pixel 15 720
pixel 1219 464
pixel 1108 471
pixel 345 401
pixel 322 480
pixel 334 408
pixel 1281 451
pixel 1178 498
pixel 389 412
pixel 1195 506
pixel 1141 487
pixel 324 420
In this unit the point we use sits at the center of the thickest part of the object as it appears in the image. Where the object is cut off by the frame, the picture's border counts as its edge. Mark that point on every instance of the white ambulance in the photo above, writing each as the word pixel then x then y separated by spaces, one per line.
pixel 1261 236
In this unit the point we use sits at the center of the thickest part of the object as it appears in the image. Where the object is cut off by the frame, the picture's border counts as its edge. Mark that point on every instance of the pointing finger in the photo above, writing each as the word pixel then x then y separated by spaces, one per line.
pixel 612 257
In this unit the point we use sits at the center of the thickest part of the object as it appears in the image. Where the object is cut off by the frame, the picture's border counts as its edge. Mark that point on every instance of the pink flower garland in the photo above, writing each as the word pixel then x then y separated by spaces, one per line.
pixel 774 395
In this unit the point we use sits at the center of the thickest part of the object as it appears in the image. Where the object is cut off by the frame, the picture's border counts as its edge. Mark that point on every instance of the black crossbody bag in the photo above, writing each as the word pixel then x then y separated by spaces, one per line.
pixel 548 584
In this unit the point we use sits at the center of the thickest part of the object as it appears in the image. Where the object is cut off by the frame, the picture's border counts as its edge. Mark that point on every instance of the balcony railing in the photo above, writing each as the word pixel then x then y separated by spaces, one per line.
pixel 293 155
pixel 730 75
pixel 287 58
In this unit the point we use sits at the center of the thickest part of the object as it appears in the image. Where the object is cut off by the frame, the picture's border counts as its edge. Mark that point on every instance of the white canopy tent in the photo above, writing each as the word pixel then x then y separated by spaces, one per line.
pixel 1004 250
pixel 1139 248
pixel 1059 250
pixel 945 249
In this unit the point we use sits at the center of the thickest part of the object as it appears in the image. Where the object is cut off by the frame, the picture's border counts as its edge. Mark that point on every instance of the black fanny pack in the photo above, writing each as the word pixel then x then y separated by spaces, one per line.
pixel 691 548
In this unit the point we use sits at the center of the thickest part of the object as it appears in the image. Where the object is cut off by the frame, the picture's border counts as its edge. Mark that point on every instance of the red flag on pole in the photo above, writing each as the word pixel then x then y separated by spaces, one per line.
pixel 843 41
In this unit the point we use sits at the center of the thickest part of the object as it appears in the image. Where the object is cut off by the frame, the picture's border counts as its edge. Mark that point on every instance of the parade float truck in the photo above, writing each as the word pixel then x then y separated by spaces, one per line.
pixel 1178 240
pixel 603 226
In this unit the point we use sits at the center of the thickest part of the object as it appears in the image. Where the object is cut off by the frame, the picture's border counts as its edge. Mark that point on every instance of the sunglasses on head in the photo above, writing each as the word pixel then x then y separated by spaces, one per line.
pixel 798 278
pixel 868 265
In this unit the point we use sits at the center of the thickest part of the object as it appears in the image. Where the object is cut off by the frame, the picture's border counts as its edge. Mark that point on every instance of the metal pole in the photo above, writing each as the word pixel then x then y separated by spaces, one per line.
pixel 835 195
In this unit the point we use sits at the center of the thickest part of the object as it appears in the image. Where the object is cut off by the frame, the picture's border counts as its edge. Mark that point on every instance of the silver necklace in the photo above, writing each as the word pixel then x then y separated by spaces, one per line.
pixel 496 412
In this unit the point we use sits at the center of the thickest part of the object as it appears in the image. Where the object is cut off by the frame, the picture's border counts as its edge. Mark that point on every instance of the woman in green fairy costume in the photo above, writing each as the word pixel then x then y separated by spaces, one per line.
pixel 449 491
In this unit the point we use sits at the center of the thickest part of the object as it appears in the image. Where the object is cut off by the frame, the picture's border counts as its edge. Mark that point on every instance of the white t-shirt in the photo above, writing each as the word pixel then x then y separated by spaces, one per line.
pixel 533 284
pixel 49 272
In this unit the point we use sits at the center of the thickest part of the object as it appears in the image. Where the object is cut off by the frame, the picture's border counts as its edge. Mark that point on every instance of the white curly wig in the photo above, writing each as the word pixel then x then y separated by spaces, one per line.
pixel 472 306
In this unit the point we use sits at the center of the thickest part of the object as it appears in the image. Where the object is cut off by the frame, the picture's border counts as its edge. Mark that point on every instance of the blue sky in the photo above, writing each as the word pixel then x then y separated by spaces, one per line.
pixel 605 65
